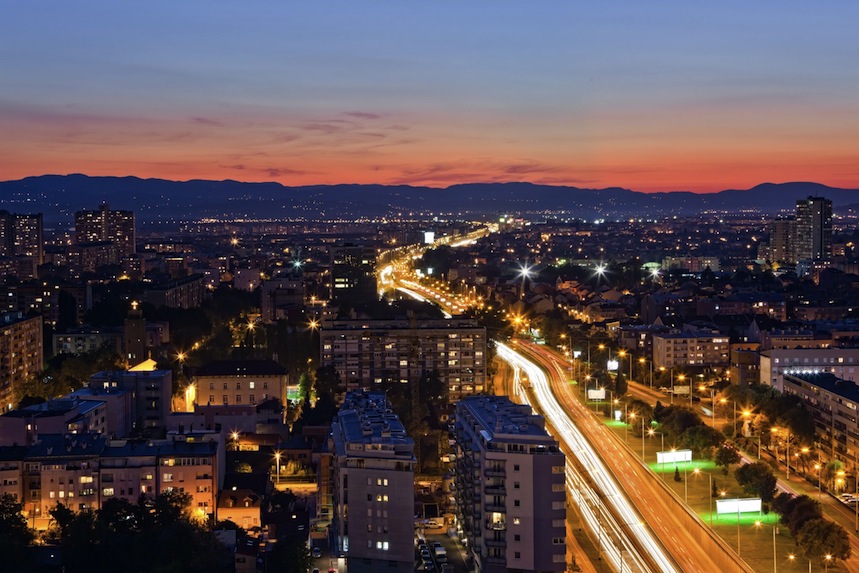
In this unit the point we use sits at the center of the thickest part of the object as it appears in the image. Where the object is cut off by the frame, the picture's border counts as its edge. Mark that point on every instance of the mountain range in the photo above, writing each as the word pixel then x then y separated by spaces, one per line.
pixel 160 200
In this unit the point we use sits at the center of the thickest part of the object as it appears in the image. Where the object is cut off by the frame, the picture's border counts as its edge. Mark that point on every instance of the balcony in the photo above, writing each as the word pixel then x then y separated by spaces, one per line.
pixel 496 525
pixel 494 542
pixel 495 508
pixel 494 473
pixel 495 490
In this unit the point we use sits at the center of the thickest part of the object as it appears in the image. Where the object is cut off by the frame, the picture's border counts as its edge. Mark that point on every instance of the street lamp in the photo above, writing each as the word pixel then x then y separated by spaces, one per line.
pixel 703 388
pixel 277 461
pixel 817 466
pixel 697 471
pixel 632 416
pixel 775 562
pixel 650 433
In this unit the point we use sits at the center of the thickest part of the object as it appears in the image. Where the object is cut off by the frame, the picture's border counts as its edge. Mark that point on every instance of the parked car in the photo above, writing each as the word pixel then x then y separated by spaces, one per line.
pixel 316 552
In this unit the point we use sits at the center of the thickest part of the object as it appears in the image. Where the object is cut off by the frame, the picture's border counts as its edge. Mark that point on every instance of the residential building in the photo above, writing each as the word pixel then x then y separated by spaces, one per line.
pixel 187 292
pixel 366 352
pixel 106 225
pixel 510 488
pixel 840 362
pixel 832 402
pixel 22 236
pixel 813 229
pixel 353 272
pixel 152 390
pixel 783 240
pixel 240 382
pixel 690 348
pixel 373 475
pixel 21 354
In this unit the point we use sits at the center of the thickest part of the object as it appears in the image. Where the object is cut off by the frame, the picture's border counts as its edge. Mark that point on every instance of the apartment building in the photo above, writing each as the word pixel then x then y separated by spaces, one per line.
pixel 106 225
pixel 240 382
pixel 692 348
pixel 373 485
pixel 833 403
pixel 152 391
pixel 365 352
pixel 840 362
pixel 83 471
pixel 21 354
pixel 509 487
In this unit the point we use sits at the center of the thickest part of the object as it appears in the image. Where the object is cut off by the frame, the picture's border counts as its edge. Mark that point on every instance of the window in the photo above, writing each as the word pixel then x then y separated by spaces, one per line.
pixel 557 469
pixel 517 555
pixel 251 385
pixel 557 487
pixel 557 541
pixel 168 477
pixel 515 503
pixel 225 385
pixel 238 398
pixel 515 485
pixel 226 399
pixel 517 537
pixel 107 492
pixel 211 385
pixel 238 385
pixel 515 521
pixel 515 467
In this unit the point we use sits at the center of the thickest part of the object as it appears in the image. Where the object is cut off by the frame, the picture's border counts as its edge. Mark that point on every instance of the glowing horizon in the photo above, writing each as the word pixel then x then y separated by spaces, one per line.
pixel 654 97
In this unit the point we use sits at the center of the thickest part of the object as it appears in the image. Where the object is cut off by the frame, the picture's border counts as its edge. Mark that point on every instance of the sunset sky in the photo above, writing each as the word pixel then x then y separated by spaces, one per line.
pixel 698 96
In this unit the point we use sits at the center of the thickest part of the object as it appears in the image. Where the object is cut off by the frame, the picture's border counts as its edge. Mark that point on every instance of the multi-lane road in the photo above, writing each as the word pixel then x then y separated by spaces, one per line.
pixel 652 528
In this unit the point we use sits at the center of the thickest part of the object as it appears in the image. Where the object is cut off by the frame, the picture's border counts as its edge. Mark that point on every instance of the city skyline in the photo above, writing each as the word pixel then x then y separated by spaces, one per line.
pixel 651 98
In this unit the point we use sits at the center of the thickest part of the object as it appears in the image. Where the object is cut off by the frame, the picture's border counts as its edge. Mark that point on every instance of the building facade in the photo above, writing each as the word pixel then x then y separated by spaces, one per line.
pixel 813 229
pixel 373 486
pixel 690 349
pixel 240 382
pixel 509 487
pixel 106 225
pixel 366 352
pixel 21 353
pixel 840 362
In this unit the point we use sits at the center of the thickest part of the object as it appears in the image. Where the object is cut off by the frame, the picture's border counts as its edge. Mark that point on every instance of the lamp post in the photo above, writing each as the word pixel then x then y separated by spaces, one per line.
pixel 817 467
pixel 650 433
pixel 277 461
pixel 697 471
pixel 775 561
pixel 703 388
pixel 632 416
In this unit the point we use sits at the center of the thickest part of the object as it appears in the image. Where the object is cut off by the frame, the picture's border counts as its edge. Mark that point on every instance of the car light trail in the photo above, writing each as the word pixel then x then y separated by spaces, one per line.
pixel 622 525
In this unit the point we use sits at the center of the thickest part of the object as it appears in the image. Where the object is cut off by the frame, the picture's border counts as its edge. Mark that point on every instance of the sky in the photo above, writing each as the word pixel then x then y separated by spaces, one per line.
pixel 651 96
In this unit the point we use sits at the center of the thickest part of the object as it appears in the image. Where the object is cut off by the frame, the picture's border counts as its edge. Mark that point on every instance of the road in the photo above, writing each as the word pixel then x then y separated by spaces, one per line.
pixel 688 544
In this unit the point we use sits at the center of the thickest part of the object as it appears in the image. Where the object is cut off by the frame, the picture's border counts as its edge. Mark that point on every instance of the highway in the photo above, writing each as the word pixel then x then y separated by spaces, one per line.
pixel 674 538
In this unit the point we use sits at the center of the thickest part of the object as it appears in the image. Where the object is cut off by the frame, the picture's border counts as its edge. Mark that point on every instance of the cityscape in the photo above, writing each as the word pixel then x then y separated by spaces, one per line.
pixel 453 289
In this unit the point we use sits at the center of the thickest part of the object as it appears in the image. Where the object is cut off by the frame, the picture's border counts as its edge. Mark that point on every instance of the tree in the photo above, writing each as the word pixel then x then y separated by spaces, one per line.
pixel 328 382
pixel 796 511
pixel 757 479
pixel 290 555
pixel 620 385
pixel 15 536
pixel 725 456
pixel 820 537
pixel 702 440
pixel 677 477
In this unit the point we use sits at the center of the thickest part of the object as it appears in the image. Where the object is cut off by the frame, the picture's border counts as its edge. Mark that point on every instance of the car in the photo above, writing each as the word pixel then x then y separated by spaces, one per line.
pixel 316 552
pixel 431 524
pixel 428 566
pixel 664 389
pixel 437 545
pixel 315 570
pixel 425 554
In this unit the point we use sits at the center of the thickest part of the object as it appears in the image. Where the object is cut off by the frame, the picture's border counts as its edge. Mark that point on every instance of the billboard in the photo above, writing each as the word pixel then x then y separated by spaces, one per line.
pixel 598 394
pixel 429 237
pixel 747 505
pixel 611 365
pixel 670 457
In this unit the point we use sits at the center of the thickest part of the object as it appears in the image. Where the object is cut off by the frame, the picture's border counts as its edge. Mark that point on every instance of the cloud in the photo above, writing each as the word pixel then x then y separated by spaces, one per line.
pixel 361 114
pixel 207 121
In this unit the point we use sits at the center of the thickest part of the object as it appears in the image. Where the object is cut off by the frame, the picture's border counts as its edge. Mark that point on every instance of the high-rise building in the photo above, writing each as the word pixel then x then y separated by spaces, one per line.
pixel 353 273
pixel 813 229
pixel 373 486
pixel 21 354
pixel 22 235
pixel 509 487
pixel 103 225
pixel 783 240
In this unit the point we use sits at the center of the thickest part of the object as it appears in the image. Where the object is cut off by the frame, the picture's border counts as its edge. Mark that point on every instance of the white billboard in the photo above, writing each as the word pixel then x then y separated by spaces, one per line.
pixel 598 394
pixel 429 237
pixel 611 365
pixel 681 390
pixel 747 505
pixel 670 457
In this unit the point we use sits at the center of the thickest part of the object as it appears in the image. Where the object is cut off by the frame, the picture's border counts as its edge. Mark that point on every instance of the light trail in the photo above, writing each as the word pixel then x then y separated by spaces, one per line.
pixel 622 526
pixel 421 298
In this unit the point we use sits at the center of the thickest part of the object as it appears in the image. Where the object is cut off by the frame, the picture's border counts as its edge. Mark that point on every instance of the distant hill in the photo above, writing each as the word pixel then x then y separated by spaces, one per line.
pixel 59 196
